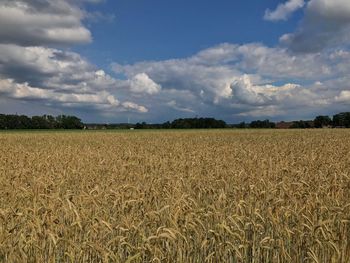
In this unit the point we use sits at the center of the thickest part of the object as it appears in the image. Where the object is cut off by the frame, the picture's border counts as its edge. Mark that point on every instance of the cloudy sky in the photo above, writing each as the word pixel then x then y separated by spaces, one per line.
pixel 156 60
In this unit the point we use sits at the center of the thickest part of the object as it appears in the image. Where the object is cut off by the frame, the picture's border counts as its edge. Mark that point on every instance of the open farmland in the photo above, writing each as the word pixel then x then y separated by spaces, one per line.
pixel 175 196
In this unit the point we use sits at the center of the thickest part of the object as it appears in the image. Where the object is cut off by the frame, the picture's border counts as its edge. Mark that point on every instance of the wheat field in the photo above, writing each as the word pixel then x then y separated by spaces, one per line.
pixel 175 196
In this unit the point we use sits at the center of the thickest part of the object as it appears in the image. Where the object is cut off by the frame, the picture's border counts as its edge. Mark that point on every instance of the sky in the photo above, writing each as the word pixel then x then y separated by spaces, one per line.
pixel 153 60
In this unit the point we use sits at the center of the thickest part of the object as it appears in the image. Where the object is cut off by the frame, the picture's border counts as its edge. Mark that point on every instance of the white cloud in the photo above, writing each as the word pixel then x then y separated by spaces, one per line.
pixel 279 82
pixel 133 106
pixel 59 78
pixel 141 83
pixel 247 92
pixel 24 91
pixel 188 74
pixel 326 25
pixel 173 104
pixel 263 112
pixel 42 22
pixel 227 80
pixel 344 96
pixel 283 11
pixel 51 68
pixel 31 71
pixel 98 100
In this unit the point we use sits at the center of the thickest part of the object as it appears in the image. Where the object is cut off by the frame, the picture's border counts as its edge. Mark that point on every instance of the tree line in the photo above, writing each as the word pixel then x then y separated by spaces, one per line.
pixel 13 122
pixel 189 123
pixel 340 120
pixel 72 122
pixel 258 124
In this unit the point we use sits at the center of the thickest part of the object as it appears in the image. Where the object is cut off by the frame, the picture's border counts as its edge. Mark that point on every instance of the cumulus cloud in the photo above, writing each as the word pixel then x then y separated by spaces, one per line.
pixel 42 22
pixel 326 25
pixel 343 97
pixel 31 71
pixel 187 75
pixel 57 77
pixel 134 106
pixel 173 104
pixel 141 83
pixel 283 11
pixel 246 80
pixel 100 100
pixel 52 69
pixel 24 91
pixel 247 92
pixel 227 80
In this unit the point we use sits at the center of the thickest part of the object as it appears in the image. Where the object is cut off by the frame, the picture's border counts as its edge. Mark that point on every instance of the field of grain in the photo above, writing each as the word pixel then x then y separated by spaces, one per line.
pixel 176 196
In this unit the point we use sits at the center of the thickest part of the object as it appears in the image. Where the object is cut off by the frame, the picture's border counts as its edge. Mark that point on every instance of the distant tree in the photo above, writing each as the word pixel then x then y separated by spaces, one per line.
pixel 2 121
pixel 242 125
pixel 24 122
pixel 142 125
pixel 138 126
pixel 322 121
pixel 266 124
pixel 39 122
pixel 69 122
pixel 342 120
pixel 301 125
pixel 51 122
pixel 181 124
pixel 12 122
pixel 166 125
pixel 198 123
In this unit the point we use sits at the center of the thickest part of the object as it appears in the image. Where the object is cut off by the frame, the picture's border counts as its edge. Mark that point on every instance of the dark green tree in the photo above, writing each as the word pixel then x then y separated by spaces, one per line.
pixel 69 122
pixel 342 120
pixel 322 121
pixel 266 124
pixel 301 125
pixel 198 123
pixel 242 125
pixel 39 122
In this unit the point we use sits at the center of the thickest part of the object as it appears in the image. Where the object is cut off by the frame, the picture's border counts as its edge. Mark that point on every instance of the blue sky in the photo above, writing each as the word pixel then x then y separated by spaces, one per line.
pixel 153 60
pixel 158 30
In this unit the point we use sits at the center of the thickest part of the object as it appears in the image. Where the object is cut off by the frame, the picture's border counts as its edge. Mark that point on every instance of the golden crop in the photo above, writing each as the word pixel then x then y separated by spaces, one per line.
pixel 190 196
